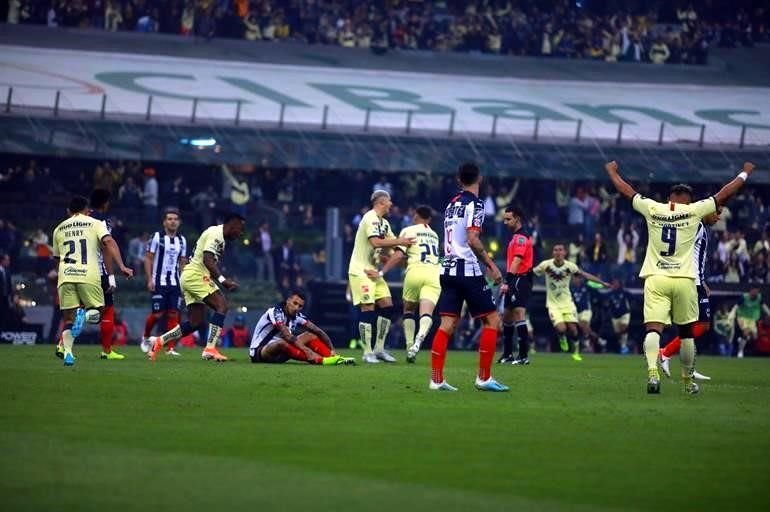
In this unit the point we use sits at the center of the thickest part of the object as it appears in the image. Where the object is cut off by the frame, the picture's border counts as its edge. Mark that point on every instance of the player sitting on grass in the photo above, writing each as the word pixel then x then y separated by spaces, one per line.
pixel 275 338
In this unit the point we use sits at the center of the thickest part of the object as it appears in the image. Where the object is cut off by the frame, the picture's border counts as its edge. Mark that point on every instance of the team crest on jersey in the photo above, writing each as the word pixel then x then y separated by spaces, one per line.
pixel 521 240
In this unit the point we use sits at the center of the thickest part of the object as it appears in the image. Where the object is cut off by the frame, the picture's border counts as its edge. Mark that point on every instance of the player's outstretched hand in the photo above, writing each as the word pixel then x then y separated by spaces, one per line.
pixel 372 274
pixel 230 285
pixel 611 167
pixel 748 167
pixel 150 285
pixel 406 241
pixel 128 273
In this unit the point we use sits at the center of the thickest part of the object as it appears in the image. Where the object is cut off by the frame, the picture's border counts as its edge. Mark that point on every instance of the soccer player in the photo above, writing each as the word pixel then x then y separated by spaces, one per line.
pixel 668 270
pixel 620 313
pixel 422 286
pixel 462 280
pixel 200 291
pixel 748 314
pixel 581 295
pixel 166 254
pixel 276 337
pixel 558 272
pixel 373 236
pixel 77 243
pixel 516 288
pixel 724 326
pixel 703 324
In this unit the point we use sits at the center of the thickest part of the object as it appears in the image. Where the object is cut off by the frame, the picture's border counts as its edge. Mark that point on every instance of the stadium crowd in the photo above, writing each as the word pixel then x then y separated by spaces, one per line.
pixel 644 31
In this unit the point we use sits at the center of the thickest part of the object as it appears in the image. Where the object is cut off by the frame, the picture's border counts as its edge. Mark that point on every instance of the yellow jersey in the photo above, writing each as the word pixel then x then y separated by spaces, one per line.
pixel 211 240
pixel 424 251
pixel 364 255
pixel 557 280
pixel 671 234
pixel 77 242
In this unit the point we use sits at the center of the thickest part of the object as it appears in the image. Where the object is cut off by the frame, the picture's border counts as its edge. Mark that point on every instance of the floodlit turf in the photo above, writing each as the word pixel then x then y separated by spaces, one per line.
pixel 190 435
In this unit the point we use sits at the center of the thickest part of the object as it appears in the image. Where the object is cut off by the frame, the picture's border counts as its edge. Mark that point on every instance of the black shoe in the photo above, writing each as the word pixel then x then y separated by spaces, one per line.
pixel 411 359
pixel 505 359
pixel 520 361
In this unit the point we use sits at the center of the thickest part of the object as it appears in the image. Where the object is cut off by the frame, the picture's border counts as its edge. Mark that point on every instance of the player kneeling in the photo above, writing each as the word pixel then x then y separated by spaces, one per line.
pixel 275 338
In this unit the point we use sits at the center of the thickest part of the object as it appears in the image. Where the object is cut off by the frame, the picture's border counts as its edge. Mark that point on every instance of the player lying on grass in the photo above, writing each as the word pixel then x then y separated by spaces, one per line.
pixel 276 338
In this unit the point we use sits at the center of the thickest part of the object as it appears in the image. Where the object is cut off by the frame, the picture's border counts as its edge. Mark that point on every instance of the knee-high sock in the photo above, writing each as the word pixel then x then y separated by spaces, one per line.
pixel 623 339
pixel 383 326
pixel 180 331
pixel 366 329
pixel 487 344
pixel 438 355
pixel 508 330
pixel 687 357
pixel 107 328
pixel 216 324
pixel 523 333
pixel 319 347
pixel 149 323
pixel 67 339
pixel 651 349
pixel 298 354
pixel 409 328
pixel 172 320
pixel 426 322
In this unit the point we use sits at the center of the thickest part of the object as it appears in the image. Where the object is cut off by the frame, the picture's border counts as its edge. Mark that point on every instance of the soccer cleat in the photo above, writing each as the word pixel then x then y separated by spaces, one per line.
pixel 653 381
pixel 576 356
pixel 491 385
pixel 385 357
pixel 337 360
pixel 700 376
pixel 69 359
pixel 157 346
pixel 173 353
pixel 740 354
pixel 145 345
pixel 441 386
pixel 59 351
pixel 77 323
pixel 112 355
pixel 212 354
pixel 520 361
pixel 624 350
pixel 346 361
pixel 563 344
pixel 506 359
pixel 411 355
pixel 691 387
pixel 665 365
pixel 370 358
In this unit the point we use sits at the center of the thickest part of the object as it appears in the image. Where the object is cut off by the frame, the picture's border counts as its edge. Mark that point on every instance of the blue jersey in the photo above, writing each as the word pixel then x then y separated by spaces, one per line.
pixel 582 298
pixel 618 303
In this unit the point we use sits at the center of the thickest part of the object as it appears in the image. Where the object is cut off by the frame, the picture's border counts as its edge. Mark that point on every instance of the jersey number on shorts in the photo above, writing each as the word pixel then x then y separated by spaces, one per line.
pixel 427 250
pixel 668 236
pixel 71 250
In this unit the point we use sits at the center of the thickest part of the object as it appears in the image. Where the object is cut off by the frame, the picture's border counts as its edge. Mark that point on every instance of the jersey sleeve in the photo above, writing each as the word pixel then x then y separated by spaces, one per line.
pixel 573 268
pixel 301 320
pixel 214 245
pixel 389 234
pixel 101 230
pixel 704 207
pixel 518 245
pixel 276 316
pixel 642 204
pixel 152 245
pixel 474 215
pixel 183 247
pixel 371 225
pixel 403 234
pixel 540 269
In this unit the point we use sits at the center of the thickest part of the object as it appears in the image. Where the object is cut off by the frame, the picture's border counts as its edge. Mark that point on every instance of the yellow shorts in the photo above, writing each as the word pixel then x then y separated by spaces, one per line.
pixel 196 286
pixel 585 316
pixel 366 291
pixel 73 295
pixel 670 299
pixel 748 327
pixel 422 283
pixel 624 320
pixel 562 313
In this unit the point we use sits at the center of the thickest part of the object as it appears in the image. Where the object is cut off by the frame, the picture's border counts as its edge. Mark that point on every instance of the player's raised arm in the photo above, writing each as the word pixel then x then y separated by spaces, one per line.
pixel 383 243
pixel 596 279
pixel 620 184
pixel 735 185
pixel 112 253
pixel 210 262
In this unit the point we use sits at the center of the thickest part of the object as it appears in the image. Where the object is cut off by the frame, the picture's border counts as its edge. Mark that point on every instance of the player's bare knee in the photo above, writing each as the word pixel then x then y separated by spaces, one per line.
pixel 491 320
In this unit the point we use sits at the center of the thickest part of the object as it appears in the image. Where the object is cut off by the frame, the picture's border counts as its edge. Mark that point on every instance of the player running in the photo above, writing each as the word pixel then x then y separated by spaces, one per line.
pixel 558 272
pixel 620 313
pixel 77 244
pixel 372 237
pixel 276 338
pixel 703 324
pixel 516 288
pixel 749 312
pixel 200 291
pixel 166 255
pixel 668 270
pixel 462 280
pixel 422 286
pixel 581 296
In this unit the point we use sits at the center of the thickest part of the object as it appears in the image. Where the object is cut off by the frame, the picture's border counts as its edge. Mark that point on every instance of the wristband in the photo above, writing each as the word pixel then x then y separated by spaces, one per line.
pixel 111 281
pixel 743 175
pixel 221 279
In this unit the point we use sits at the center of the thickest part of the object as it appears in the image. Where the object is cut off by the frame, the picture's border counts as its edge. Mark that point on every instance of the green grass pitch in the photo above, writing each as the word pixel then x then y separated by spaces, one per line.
pixel 190 435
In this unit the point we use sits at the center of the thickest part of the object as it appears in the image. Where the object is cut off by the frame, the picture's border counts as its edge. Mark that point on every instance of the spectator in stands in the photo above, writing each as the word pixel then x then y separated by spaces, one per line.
pixel 287 262
pixel 6 288
pixel 761 246
pixel 576 250
pixel 238 335
pixel 120 333
pixel 597 255
pixel 262 241
pixel 577 209
pixel 129 195
pixel 758 272
pixel 137 248
pixel 383 184
pixel 15 314
pixel 735 270
pixel 628 242
pixel 659 52
pixel 42 253
pixel 150 196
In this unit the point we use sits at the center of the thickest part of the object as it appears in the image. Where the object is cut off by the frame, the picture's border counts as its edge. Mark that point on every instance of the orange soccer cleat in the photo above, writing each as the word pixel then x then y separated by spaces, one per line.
pixel 212 354
pixel 157 346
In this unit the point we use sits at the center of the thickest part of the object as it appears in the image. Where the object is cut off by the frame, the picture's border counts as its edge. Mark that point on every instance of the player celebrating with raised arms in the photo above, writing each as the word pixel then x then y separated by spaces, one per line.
pixel 669 270
pixel 276 337
pixel 422 286
pixel 77 245
pixel 558 272
pixel 200 291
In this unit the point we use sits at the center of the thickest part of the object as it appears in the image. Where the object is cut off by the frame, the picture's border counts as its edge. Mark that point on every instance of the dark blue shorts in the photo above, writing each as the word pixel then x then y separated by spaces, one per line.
pixel 109 299
pixel 166 298
pixel 704 305
pixel 519 292
pixel 472 290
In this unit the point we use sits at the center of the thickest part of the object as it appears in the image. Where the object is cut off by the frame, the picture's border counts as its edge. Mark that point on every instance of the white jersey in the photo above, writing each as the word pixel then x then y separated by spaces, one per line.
pixel 166 251
pixel 102 217
pixel 700 254
pixel 268 324
pixel 464 212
